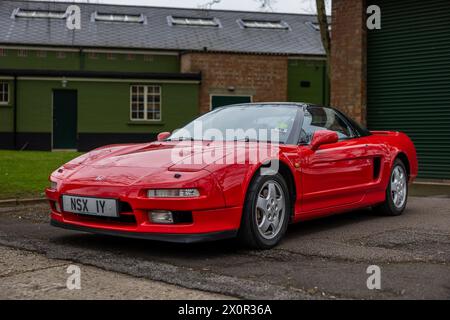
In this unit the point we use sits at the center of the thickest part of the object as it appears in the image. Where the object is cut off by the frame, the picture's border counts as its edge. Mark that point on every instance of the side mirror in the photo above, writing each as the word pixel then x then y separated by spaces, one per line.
pixel 163 136
pixel 322 137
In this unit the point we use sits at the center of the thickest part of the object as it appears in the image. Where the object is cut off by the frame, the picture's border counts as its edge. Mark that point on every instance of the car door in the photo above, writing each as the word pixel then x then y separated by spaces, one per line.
pixel 335 174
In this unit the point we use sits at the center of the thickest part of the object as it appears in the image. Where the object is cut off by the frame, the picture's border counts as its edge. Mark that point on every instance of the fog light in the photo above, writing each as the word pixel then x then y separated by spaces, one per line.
pixel 53 185
pixel 161 216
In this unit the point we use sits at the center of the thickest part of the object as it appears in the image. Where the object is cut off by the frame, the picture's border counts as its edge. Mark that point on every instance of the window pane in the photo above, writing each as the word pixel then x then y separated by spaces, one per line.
pixel 265 24
pixel 137 103
pixel 132 18
pixel 145 102
pixel 153 103
pixel 4 92
pixel 323 119
pixel 193 21
pixel 24 13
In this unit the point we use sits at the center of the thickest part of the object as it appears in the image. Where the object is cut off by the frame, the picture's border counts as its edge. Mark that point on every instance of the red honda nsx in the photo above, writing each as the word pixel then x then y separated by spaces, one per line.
pixel 243 171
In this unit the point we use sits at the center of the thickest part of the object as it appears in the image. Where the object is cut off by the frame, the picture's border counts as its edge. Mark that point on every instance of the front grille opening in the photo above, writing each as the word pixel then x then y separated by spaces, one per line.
pixel 125 207
pixel 122 219
pixel 182 217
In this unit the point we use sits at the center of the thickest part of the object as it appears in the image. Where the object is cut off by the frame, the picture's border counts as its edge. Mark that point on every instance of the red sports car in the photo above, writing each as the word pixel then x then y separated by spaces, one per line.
pixel 243 171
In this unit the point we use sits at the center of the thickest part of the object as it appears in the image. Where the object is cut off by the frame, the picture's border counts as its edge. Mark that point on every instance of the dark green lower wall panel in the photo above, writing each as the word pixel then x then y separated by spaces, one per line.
pixel 6 140
pixel 33 141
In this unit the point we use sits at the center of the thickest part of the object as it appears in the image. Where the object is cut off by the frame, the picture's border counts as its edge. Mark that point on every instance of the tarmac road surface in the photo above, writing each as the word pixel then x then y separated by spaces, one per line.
pixel 326 258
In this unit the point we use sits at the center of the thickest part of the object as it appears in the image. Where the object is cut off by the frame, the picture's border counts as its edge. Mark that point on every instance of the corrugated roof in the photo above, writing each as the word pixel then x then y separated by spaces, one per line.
pixel 157 33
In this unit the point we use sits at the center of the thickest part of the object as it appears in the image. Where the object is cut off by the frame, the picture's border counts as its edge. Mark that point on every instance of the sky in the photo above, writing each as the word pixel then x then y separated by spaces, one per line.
pixel 290 6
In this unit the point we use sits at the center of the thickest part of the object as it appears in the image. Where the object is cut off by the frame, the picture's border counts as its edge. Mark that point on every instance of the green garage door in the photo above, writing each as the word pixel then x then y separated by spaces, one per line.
pixel 221 101
pixel 409 78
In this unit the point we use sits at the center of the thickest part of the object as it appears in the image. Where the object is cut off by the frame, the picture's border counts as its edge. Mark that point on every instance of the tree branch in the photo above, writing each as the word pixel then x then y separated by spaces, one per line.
pixel 324 31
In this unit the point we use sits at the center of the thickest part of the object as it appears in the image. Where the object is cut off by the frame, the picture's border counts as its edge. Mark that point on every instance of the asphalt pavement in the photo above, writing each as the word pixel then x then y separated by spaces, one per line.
pixel 320 259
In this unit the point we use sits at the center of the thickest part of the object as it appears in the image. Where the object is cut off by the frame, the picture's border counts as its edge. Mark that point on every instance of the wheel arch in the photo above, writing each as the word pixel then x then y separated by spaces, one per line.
pixel 404 158
pixel 286 172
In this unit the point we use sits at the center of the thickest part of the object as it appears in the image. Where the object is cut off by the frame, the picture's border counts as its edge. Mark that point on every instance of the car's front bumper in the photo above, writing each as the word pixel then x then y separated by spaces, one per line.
pixel 206 215
pixel 206 222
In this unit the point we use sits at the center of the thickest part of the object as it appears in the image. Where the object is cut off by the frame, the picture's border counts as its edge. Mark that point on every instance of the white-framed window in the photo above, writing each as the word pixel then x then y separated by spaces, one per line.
pixel 118 17
pixel 316 26
pixel 263 24
pixel 22 53
pixel 148 58
pixel 194 21
pixel 61 55
pixel 145 103
pixel 25 13
pixel 41 54
pixel 93 56
pixel 4 93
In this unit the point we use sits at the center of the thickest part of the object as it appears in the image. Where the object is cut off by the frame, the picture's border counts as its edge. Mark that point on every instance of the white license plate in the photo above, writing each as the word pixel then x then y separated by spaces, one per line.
pixel 90 206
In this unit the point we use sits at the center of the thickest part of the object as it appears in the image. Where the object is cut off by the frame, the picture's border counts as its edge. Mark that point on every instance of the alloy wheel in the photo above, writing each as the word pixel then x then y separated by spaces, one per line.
pixel 270 209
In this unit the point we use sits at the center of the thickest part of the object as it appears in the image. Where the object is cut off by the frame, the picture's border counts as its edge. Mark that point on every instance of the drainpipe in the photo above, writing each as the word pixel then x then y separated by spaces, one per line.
pixel 15 113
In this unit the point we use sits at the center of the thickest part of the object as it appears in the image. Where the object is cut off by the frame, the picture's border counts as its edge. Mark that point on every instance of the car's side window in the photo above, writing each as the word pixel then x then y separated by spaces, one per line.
pixel 317 118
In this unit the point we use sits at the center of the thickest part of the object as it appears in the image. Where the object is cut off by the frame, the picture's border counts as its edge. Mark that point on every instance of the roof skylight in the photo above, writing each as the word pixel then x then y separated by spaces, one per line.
pixel 114 17
pixel 25 13
pixel 316 26
pixel 261 24
pixel 193 21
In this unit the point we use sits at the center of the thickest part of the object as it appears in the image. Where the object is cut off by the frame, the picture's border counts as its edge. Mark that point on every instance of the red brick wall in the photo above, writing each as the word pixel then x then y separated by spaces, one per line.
pixel 348 58
pixel 263 77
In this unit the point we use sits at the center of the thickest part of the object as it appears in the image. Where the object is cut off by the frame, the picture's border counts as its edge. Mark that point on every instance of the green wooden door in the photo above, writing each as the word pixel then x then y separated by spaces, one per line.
pixel 408 76
pixel 64 119
pixel 308 81
pixel 220 101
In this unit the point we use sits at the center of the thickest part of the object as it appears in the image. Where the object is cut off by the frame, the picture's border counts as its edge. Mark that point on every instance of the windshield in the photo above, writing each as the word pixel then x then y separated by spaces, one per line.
pixel 271 123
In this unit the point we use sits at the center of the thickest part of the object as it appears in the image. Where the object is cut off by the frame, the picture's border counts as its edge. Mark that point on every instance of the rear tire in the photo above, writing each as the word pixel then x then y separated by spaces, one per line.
pixel 266 212
pixel 396 192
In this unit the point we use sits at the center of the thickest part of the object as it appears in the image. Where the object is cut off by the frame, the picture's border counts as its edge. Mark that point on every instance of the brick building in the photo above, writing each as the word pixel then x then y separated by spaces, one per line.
pixel 397 77
pixel 131 72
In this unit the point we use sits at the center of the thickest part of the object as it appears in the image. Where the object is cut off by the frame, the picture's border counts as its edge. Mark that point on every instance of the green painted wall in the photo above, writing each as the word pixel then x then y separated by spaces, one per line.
pixel 139 63
pixel 312 72
pixel 76 61
pixel 103 107
pixel 11 60
pixel 34 106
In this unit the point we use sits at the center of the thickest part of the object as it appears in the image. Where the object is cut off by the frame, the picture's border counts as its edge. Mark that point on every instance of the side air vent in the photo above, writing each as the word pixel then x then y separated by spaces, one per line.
pixel 376 167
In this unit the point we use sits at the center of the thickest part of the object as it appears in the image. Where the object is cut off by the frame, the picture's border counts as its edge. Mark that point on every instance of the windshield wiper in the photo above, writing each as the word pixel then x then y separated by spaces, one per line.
pixel 247 139
pixel 181 139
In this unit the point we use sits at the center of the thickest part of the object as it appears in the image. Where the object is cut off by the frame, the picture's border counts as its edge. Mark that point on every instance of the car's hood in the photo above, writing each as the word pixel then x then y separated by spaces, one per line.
pixel 130 164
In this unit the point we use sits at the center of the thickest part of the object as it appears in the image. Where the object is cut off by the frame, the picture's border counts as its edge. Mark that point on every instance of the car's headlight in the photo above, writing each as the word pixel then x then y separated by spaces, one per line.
pixel 53 185
pixel 173 193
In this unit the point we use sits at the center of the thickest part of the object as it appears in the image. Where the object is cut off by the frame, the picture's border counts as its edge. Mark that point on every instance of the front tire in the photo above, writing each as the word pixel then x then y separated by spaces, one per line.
pixel 266 212
pixel 396 192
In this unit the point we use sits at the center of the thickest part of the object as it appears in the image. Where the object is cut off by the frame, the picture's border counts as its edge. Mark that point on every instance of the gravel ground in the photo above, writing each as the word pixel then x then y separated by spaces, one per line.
pixel 27 275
